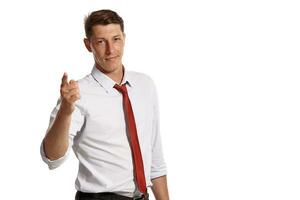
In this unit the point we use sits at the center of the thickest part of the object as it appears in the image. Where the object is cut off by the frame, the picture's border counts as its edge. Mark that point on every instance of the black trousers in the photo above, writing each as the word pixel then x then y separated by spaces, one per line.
pixel 104 196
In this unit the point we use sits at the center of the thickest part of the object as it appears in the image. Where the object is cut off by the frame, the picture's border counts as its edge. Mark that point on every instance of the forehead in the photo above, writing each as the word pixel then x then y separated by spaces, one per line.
pixel 106 30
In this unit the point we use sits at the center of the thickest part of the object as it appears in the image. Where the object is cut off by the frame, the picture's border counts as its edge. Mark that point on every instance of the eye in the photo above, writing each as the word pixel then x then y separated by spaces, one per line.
pixel 117 38
pixel 100 41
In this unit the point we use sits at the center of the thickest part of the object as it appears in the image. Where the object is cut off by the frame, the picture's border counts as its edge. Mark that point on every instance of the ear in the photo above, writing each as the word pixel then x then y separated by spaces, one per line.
pixel 124 37
pixel 87 44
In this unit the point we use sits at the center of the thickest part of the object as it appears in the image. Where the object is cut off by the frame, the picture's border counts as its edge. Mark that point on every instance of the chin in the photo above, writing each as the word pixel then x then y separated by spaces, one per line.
pixel 109 68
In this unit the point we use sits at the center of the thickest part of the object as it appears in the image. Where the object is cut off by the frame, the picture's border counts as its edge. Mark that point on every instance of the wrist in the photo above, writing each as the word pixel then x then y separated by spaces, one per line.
pixel 66 110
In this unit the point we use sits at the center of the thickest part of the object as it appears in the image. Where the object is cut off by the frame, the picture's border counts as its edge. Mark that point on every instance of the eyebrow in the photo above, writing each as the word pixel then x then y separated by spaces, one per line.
pixel 101 38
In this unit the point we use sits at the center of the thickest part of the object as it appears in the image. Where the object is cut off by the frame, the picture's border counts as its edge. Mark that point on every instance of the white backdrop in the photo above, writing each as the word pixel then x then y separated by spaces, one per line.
pixel 227 74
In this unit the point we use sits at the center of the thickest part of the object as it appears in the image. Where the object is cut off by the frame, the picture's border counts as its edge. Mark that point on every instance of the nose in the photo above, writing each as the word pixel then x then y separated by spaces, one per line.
pixel 109 48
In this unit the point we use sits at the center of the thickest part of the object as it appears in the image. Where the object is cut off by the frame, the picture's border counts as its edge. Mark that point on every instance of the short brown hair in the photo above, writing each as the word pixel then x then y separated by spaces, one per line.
pixel 101 17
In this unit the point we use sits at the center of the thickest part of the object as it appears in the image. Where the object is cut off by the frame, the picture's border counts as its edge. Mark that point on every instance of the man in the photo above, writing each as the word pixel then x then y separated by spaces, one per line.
pixel 110 118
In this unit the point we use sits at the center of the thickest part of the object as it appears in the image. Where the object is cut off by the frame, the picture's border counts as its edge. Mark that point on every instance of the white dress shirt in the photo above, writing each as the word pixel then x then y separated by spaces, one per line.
pixel 98 134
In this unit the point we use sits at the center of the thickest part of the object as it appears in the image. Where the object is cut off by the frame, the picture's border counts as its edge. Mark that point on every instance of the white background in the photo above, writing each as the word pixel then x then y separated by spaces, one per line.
pixel 227 74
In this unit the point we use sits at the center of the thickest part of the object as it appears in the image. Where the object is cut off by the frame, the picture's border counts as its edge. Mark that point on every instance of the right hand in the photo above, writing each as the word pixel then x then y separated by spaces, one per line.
pixel 70 93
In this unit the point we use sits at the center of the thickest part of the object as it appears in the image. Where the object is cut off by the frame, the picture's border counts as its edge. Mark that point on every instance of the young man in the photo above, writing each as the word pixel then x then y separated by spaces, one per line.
pixel 111 120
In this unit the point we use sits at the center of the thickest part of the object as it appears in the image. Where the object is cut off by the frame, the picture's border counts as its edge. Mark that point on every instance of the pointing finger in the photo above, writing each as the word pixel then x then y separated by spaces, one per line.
pixel 64 79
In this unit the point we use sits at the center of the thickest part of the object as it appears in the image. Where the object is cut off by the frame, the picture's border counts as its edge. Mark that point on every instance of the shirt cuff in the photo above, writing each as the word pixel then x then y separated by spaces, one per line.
pixel 156 174
pixel 52 164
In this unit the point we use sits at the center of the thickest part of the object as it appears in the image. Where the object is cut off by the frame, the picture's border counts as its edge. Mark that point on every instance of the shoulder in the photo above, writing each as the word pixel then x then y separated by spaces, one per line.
pixel 140 78
pixel 144 83
pixel 86 82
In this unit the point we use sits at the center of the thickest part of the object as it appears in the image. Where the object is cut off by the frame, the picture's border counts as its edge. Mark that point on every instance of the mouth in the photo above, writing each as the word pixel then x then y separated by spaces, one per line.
pixel 110 58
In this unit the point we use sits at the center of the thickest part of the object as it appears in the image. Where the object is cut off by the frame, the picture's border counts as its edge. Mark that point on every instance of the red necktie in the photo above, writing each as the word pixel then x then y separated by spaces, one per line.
pixel 134 141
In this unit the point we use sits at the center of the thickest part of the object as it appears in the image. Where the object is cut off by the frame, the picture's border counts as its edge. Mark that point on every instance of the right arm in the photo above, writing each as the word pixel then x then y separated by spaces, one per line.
pixel 56 141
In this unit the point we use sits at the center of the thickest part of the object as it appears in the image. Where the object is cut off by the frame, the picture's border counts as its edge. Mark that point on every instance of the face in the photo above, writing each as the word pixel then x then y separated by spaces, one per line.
pixel 107 44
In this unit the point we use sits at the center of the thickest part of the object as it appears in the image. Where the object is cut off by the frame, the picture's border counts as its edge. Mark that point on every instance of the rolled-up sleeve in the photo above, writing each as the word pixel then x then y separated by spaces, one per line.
pixel 158 165
pixel 77 121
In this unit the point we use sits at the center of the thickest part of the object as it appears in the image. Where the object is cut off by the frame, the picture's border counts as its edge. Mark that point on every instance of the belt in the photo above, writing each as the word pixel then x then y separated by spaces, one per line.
pixel 108 195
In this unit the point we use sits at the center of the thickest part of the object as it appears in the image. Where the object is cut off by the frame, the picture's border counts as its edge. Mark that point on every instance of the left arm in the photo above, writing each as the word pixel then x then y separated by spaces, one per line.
pixel 160 188
pixel 158 166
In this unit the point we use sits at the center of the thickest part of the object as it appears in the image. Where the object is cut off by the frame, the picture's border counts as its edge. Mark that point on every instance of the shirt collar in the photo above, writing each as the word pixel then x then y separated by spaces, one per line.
pixel 106 82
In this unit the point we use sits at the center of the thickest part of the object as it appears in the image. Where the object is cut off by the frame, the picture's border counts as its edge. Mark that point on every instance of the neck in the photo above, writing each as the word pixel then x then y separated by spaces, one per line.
pixel 116 75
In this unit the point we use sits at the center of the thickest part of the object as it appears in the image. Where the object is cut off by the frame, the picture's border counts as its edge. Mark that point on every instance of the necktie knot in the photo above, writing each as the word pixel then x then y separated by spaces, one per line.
pixel 121 88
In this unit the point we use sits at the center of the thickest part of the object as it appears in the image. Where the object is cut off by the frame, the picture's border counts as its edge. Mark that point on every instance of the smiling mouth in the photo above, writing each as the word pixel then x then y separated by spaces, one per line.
pixel 112 58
